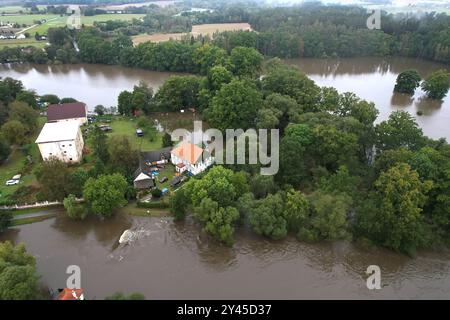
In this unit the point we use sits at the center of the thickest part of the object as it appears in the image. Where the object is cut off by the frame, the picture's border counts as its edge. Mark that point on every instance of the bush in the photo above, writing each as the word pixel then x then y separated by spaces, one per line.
pixel 156 193
pixel 74 209
pixel 5 219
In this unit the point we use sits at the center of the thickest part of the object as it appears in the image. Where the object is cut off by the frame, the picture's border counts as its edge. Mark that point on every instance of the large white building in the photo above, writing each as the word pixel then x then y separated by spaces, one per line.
pixel 62 140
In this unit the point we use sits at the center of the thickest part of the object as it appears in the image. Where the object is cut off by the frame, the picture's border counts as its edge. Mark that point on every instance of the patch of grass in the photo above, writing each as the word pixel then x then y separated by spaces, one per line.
pixel 88 21
pixel 34 210
pixel 27 19
pixel 20 222
pixel 132 209
pixel 16 163
pixel 14 9
pixel 127 127
pixel 169 172
pixel 22 43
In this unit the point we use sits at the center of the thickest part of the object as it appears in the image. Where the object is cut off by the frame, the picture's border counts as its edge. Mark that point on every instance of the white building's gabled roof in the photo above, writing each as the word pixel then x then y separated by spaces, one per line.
pixel 141 177
pixel 59 131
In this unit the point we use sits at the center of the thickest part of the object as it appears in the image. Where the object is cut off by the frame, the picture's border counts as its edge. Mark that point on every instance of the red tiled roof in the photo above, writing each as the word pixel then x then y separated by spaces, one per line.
pixel 188 151
pixel 66 111
pixel 68 294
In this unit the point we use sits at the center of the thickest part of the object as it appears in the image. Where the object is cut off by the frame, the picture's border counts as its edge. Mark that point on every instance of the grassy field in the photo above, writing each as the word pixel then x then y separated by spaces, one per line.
pixel 202 29
pixel 22 43
pixel 133 210
pixel 105 17
pixel 18 9
pixel 55 21
pixel 27 19
pixel 14 165
pixel 128 127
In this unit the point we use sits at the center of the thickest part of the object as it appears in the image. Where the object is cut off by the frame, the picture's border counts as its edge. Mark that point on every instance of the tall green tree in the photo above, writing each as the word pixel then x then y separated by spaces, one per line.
pixel 437 84
pixel 235 106
pixel 105 194
pixel 5 219
pixel 393 215
pixel 218 221
pixel 18 277
pixel 407 81
pixel 400 130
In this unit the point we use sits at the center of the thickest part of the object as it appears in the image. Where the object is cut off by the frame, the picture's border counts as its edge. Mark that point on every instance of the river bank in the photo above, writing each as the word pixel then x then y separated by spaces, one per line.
pixel 176 261
pixel 372 79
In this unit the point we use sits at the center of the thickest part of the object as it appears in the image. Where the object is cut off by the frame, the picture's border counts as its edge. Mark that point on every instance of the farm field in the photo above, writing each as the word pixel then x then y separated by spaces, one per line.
pixel 105 17
pixel 22 43
pixel 27 19
pixel 202 29
pixel 18 9
pixel 54 21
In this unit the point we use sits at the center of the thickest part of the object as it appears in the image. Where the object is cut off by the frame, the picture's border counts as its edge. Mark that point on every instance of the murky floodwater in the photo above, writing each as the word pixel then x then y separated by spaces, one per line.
pixel 372 79
pixel 176 261
pixel 90 83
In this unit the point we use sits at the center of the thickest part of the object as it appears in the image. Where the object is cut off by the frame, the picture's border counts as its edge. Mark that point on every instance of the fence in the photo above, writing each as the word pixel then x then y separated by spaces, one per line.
pixel 34 205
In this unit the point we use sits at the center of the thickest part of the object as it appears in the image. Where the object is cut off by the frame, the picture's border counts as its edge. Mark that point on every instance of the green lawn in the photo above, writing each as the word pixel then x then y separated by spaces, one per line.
pixel 10 168
pixel 169 172
pixel 14 165
pixel 127 127
pixel 54 23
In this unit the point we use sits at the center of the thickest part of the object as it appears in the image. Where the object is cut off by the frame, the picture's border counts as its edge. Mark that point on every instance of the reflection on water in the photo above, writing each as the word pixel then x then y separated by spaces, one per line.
pixel 171 260
pixel 374 79
pixel 90 83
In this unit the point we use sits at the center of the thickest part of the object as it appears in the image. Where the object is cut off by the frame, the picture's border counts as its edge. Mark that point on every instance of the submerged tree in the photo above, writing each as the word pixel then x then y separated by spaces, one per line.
pixel 407 82
pixel 437 84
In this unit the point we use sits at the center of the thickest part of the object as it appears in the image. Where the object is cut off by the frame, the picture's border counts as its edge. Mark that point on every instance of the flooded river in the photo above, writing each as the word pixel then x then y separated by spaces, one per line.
pixel 372 79
pixel 176 261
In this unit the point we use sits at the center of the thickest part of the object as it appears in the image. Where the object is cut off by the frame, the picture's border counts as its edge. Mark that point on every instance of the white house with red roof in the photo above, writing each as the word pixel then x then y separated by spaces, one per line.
pixel 190 157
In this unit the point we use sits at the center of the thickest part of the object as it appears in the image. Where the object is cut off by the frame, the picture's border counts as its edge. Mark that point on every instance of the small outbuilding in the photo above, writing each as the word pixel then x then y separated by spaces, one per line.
pixel 143 181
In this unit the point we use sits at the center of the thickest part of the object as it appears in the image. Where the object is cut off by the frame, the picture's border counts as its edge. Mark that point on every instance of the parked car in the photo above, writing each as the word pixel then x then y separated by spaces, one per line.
pixel 139 133
pixel 17 177
pixel 12 182
pixel 163 179
pixel 105 128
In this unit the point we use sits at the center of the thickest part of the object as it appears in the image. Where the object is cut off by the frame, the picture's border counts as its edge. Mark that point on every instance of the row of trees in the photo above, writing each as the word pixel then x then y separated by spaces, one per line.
pixel 341 176
pixel 436 85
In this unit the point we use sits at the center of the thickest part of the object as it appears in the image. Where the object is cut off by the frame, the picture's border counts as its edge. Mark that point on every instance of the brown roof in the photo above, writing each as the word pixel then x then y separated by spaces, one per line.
pixel 66 111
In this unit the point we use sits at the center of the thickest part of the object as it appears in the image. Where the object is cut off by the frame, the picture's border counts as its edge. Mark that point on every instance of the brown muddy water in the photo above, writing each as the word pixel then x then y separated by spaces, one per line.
pixel 372 79
pixel 176 261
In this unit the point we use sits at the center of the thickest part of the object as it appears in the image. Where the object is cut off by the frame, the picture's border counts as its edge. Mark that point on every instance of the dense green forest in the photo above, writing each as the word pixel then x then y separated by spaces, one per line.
pixel 307 31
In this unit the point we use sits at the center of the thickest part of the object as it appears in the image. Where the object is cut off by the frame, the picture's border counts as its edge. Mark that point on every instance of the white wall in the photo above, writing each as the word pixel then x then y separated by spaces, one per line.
pixel 194 169
pixel 82 120
pixel 67 151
